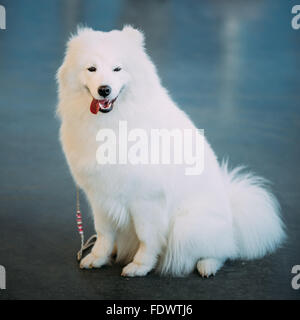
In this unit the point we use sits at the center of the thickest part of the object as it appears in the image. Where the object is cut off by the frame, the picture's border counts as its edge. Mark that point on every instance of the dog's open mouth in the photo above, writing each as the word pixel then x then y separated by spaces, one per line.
pixel 103 105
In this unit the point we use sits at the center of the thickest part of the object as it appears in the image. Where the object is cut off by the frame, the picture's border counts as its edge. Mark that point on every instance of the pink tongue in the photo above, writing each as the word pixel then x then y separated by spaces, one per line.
pixel 94 106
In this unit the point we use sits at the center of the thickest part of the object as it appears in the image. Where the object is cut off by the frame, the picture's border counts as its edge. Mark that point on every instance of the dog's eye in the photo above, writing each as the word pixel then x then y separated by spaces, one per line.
pixel 92 69
pixel 117 69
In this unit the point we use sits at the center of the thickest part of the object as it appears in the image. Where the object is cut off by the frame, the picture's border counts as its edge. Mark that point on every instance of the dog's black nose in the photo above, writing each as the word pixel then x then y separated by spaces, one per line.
pixel 104 91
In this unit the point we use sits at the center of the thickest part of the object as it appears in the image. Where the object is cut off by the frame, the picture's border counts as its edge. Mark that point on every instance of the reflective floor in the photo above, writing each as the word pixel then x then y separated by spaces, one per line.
pixel 234 68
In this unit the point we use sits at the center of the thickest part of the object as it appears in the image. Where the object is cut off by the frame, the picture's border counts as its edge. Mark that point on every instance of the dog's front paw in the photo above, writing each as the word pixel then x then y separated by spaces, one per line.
pixel 135 270
pixel 92 261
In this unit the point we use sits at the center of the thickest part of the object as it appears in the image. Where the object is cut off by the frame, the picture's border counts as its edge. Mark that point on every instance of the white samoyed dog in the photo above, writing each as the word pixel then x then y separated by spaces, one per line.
pixel 154 216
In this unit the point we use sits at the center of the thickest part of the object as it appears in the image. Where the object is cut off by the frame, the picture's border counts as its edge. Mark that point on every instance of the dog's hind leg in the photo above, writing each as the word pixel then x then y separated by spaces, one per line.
pixel 209 267
pixel 201 235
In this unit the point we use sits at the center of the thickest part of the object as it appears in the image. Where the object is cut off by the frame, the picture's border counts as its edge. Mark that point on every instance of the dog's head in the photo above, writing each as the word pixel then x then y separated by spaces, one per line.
pixel 97 64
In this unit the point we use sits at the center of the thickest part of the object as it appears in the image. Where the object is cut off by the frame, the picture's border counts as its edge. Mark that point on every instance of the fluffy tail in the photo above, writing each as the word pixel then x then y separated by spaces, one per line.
pixel 258 228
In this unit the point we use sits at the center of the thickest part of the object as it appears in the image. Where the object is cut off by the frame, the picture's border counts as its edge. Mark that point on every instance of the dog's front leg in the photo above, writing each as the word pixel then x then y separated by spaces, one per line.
pixel 150 222
pixel 100 254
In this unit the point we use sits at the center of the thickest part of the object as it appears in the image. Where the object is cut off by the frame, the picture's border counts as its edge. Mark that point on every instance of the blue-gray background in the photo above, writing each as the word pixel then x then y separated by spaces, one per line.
pixel 233 66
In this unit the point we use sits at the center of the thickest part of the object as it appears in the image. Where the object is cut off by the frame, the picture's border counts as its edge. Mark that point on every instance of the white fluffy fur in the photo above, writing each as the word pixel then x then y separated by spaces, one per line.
pixel 156 216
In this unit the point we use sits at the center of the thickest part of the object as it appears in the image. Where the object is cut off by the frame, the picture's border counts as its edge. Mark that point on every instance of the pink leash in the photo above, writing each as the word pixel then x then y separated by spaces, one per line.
pixel 91 241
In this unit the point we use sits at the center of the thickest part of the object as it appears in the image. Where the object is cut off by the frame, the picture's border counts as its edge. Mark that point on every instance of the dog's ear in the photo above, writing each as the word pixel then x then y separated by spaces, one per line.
pixel 81 29
pixel 61 75
pixel 134 35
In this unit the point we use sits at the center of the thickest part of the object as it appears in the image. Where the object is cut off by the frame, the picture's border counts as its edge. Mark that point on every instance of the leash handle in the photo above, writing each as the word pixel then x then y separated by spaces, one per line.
pixel 91 241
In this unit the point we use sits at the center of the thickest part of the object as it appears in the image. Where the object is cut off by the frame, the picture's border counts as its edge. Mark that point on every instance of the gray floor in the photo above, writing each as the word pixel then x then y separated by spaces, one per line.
pixel 233 68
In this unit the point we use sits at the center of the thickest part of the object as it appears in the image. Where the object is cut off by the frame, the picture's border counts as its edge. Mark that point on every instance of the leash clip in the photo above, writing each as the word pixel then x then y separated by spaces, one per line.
pixel 91 241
